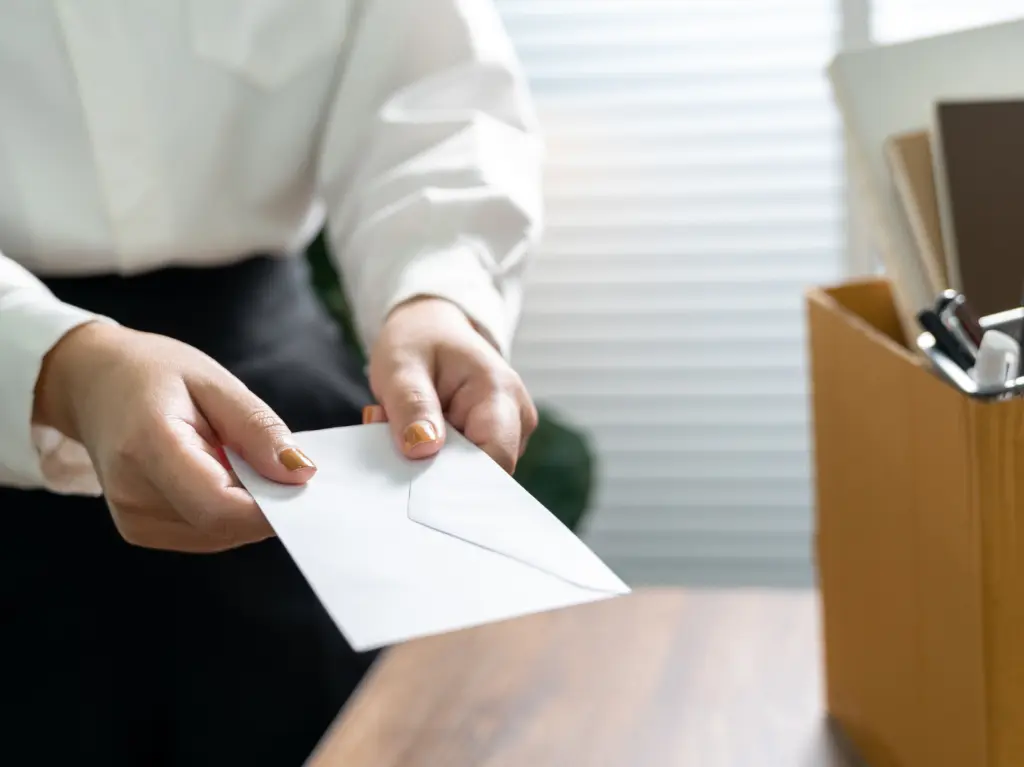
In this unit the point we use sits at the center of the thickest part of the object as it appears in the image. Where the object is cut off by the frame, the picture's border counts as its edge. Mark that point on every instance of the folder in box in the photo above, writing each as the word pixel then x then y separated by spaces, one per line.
pixel 910 159
pixel 979 153
pixel 886 90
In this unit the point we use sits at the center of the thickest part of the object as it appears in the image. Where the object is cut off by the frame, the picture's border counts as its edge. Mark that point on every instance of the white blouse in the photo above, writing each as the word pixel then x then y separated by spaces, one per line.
pixel 142 133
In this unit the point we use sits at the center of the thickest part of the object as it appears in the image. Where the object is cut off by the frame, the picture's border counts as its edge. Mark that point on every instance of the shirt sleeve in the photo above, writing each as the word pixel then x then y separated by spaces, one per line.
pixel 431 164
pixel 32 321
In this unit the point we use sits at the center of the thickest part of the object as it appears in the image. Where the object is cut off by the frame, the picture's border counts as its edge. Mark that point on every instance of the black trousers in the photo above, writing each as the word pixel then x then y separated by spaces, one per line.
pixel 115 655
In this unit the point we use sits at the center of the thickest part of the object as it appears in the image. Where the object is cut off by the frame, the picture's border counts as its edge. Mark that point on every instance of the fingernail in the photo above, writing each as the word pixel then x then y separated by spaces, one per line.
pixel 294 459
pixel 373 414
pixel 418 433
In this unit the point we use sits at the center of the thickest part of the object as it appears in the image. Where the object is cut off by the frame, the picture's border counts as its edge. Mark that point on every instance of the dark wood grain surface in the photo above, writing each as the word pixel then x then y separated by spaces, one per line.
pixel 663 678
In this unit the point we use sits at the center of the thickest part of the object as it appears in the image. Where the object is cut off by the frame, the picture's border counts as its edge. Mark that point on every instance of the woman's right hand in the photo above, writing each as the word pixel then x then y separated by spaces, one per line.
pixel 153 414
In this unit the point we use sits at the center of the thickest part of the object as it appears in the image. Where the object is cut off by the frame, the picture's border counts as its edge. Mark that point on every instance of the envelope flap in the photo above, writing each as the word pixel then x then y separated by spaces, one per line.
pixel 382 577
pixel 465 494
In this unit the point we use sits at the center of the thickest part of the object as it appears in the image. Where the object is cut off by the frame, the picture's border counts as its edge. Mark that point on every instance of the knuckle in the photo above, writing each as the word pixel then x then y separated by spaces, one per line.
pixel 119 498
pixel 130 533
pixel 124 477
pixel 143 441
pixel 506 460
pixel 264 419
pixel 215 526
pixel 502 378
pixel 498 378
pixel 411 399
pixel 132 448
pixel 518 387
pixel 226 526
pixel 531 418
pixel 415 397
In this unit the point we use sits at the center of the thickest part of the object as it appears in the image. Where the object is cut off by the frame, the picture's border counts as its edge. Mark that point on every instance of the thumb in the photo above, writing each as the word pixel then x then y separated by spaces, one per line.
pixel 410 400
pixel 247 425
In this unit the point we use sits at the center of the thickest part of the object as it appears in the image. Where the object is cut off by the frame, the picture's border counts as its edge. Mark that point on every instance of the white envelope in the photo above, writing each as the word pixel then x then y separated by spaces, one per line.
pixel 397 549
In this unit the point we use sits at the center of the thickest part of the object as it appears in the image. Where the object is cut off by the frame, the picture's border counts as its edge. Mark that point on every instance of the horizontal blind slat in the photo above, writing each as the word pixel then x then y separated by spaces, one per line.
pixel 693 184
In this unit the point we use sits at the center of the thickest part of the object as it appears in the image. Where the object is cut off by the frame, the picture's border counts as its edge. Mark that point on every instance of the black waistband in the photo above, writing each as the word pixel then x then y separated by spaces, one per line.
pixel 230 312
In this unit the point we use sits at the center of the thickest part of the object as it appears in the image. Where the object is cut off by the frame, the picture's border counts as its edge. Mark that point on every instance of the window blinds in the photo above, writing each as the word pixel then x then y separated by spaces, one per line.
pixel 694 190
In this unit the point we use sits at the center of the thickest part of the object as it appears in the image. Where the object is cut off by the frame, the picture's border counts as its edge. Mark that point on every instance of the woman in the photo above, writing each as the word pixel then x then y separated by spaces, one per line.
pixel 163 166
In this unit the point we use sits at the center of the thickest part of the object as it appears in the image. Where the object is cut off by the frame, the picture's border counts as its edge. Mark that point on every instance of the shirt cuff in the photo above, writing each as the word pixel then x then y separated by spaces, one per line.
pixel 31 323
pixel 459 276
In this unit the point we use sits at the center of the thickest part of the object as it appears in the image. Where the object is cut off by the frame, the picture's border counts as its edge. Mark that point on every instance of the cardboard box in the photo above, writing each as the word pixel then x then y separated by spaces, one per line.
pixel 920 545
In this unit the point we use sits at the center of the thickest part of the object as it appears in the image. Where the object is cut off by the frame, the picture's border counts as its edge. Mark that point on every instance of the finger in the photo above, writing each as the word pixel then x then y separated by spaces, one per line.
pixel 409 398
pixel 185 470
pixel 247 425
pixel 211 444
pixel 147 531
pixel 474 392
pixel 494 424
pixel 374 414
pixel 169 536
pixel 528 420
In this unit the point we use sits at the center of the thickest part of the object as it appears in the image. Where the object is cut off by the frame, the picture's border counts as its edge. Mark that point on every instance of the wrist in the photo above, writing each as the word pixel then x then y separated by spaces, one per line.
pixel 61 368
pixel 434 311
pixel 428 305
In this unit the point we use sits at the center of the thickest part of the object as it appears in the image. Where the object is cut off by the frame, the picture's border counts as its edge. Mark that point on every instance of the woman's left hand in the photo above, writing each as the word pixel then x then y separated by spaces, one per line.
pixel 430 365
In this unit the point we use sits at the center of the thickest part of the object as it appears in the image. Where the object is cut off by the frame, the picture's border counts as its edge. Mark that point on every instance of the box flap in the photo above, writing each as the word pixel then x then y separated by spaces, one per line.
pixel 869 302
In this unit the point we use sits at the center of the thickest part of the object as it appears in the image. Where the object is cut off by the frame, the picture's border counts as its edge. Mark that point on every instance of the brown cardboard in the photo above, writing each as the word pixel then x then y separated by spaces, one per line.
pixel 910 159
pixel 919 545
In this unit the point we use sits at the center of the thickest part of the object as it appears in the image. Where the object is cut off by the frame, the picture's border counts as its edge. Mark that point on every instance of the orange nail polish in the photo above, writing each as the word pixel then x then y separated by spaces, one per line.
pixel 294 459
pixel 368 414
pixel 419 433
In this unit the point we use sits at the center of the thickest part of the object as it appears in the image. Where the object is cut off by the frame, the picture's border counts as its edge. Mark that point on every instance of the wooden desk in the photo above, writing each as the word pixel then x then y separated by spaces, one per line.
pixel 661 678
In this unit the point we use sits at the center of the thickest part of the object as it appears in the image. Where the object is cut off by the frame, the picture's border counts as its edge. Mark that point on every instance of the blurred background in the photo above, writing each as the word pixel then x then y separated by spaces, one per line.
pixel 695 187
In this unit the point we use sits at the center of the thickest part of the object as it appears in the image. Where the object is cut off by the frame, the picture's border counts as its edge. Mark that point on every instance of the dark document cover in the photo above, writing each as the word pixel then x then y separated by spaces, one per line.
pixel 979 157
